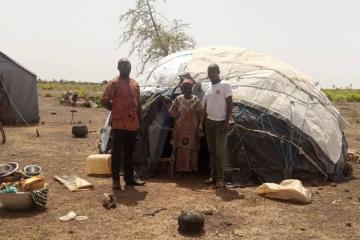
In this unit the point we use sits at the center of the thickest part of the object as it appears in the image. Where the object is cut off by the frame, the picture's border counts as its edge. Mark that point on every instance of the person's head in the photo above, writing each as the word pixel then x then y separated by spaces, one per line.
pixel 213 72
pixel 186 86
pixel 124 67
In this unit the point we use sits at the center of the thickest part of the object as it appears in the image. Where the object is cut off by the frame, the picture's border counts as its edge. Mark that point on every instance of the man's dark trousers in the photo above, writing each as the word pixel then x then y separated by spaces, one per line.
pixel 123 142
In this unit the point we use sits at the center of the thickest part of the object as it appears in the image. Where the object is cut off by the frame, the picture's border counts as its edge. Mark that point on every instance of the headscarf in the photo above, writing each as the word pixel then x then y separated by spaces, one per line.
pixel 191 82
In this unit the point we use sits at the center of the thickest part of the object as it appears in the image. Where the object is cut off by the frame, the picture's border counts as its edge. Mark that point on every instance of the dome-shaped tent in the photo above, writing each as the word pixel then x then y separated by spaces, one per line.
pixel 283 125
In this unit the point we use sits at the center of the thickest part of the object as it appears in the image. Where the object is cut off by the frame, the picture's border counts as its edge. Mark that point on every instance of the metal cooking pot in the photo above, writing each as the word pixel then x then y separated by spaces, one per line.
pixel 32 170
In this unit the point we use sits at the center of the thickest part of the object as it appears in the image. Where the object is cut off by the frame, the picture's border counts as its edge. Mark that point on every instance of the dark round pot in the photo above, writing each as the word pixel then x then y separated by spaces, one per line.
pixel 191 222
pixel 80 130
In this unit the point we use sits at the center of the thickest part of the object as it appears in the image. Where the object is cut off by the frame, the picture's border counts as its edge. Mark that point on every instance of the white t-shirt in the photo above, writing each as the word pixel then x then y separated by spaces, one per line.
pixel 215 100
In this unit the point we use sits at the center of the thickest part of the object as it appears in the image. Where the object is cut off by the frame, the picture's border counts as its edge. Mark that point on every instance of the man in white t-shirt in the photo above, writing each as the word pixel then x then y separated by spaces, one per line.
pixel 218 106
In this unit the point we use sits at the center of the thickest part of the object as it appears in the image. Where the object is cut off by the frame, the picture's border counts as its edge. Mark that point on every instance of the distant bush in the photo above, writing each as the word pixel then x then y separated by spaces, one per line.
pixel 87 90
pixel 47 95
pixel 343 95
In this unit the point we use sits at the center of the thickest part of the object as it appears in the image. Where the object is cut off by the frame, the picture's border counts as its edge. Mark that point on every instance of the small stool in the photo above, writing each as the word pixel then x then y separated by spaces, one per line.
pixel 171 166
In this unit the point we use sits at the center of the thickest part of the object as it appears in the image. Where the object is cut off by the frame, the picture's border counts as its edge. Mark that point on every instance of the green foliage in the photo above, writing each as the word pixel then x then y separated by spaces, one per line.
pixel 86 90
pixel 152 37
pixel 343 95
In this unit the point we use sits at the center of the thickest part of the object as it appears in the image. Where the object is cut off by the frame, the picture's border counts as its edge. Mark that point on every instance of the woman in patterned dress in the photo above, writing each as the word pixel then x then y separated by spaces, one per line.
pixel 188 112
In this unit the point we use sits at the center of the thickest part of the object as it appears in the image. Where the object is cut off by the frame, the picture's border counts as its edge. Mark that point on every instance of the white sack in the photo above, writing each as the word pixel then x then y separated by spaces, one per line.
pixel 290 189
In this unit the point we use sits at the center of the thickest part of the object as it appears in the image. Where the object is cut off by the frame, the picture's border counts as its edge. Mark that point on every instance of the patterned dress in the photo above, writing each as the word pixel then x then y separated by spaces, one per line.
pixel 188 113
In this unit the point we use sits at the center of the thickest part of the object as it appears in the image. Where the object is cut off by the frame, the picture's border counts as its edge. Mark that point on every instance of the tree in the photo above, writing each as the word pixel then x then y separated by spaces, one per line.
pixel 151 35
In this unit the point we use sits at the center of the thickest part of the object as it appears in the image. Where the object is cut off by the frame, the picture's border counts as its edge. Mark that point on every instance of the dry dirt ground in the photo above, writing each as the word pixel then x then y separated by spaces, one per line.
pixel 239 213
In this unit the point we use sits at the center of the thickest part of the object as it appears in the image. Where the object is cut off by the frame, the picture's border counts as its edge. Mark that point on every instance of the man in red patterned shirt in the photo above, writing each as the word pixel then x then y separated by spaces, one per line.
pixel 122 98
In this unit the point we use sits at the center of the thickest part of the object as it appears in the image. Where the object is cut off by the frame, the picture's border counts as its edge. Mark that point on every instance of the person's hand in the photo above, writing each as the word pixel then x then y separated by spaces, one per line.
pixel 225 128
pixel 201 131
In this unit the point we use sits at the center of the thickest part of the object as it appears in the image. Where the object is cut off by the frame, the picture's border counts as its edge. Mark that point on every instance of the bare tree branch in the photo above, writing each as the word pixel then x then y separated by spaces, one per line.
pixel 149 37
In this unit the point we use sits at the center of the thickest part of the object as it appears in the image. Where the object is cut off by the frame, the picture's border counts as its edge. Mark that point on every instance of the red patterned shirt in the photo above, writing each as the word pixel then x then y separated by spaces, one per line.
pixel 125 101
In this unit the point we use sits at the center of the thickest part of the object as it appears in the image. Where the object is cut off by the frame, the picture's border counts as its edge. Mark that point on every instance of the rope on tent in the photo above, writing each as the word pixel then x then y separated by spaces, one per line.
pixel 302 127
pixel 14 106
pixel 233 63
pixel 16 109
pixel 291 161
pixel 282 152
pixel 281 139
pixel 288 141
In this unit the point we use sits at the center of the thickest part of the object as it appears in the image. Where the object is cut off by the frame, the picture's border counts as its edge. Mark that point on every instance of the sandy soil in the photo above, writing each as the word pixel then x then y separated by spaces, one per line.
pixel 239 213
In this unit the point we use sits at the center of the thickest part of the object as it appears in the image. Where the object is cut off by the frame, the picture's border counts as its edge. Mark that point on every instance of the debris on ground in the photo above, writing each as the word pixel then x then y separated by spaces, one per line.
pixel 207 210
pixel 73 216
pixel 72 98
pixel 337 202
pixel 291 190
pixel 155 212
pixel 191 222
pixel 333 184
pixel 109 201
pixel 81 218
pixel 74 183
pixel 237 232
pixel 353 156
pixel 68 217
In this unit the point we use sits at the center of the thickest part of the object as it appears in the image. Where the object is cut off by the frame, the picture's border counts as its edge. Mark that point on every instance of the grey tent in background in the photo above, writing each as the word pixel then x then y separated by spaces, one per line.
pixel 21 101
pixel 283 125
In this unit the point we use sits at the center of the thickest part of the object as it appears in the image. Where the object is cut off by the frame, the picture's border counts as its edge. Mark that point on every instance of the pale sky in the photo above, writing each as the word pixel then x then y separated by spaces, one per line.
pixel 77 40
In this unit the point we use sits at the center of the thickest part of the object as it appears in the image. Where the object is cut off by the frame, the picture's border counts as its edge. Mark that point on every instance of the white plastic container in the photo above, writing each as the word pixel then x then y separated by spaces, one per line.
pixel 98 164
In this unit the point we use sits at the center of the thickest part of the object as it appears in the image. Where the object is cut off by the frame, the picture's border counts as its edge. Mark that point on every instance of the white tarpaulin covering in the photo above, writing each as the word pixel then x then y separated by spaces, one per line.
pixel 260 81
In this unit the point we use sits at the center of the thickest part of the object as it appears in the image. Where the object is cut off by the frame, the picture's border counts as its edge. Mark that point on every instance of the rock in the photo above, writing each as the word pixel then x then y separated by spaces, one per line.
pixel 303 229
pixel 191 222
pixel 348 224
pixel 109 201
pixel 350 198
pixel 53 113
pixel 317 192
pixel 346 190
pixel 333 184
pixel 359 199
pixel 237 232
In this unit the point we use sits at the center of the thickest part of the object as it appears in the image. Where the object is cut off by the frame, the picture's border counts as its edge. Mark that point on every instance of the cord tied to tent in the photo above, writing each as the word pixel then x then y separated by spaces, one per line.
pixel 14 106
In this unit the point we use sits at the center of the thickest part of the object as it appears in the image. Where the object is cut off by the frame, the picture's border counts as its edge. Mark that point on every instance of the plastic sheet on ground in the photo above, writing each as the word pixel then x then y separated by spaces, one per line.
pixel 291 190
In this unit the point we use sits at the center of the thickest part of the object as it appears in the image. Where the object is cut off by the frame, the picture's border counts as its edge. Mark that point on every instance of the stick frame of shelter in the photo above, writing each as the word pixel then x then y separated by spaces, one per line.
pixel 288 141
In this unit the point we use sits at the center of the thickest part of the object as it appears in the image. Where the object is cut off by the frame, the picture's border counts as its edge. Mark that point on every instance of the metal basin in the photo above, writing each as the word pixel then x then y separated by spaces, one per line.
pixel 4 169
pixel 32 170
pixel 16 201
pixel 13 168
